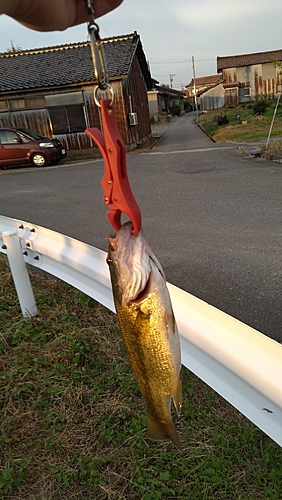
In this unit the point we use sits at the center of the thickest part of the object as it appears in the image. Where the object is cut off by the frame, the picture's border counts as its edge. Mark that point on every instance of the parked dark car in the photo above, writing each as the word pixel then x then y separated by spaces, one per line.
pixel 21 146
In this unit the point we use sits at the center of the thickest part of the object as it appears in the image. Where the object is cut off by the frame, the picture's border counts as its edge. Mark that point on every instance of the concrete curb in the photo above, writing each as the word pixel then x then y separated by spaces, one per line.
pixel 205 132
pixel 266 155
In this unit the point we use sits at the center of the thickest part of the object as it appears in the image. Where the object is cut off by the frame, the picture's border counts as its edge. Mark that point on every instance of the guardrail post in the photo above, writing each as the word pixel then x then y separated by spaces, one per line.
pixel 19 273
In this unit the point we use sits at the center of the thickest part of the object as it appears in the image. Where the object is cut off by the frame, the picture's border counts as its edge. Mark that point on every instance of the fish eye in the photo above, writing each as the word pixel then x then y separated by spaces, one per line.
pixel 109 260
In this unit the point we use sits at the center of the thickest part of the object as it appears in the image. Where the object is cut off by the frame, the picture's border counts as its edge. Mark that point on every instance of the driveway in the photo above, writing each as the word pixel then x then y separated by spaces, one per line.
pixel 212 216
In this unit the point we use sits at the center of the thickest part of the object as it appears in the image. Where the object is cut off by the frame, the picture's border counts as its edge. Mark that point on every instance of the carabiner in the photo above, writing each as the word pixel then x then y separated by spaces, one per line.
pixel 117 191
pixel 97 51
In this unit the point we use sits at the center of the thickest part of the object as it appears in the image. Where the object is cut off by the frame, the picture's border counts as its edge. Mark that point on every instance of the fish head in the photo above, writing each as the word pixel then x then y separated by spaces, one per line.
pixel 130 264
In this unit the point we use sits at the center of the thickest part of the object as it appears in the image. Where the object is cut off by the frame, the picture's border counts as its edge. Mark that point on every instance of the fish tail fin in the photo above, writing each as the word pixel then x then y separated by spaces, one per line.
pixel 177 396
pixel 159 431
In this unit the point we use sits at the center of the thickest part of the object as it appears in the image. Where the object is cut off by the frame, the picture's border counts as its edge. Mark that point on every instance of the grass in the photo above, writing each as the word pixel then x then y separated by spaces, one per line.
pixel 73 421
pixel 249 128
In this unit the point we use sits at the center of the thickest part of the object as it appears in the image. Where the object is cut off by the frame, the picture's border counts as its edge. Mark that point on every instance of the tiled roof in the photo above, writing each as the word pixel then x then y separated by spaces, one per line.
pixel 205 80
pixel 168 91
pixel 247 59
pixel 68 64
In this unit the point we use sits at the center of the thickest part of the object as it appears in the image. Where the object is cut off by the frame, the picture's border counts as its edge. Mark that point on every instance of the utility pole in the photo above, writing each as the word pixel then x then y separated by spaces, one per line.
pixel 195 88
pixel 171 79
pixel 273 117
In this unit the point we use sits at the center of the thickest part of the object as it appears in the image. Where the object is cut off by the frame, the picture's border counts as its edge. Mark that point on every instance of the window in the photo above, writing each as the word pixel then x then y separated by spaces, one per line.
pixel 24 139
pixel 31 134
pixel 3 105
pixel 27 103
pixel 8 137
pixel 247 91
pixel 76 117
pixel 35 102
pixel 67 119
pixel 16 104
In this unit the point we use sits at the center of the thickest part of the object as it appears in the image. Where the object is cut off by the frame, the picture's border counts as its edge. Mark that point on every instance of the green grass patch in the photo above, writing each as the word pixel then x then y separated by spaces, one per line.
pixel 73 422
pixel 250 127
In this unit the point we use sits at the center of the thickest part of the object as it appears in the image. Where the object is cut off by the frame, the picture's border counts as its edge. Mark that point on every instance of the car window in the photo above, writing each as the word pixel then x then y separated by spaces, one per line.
pixel 8 137
pixel 23 137
pixel 32 134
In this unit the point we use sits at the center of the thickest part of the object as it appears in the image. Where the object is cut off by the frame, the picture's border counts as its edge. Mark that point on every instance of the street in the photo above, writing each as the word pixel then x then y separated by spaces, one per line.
pixel 213 217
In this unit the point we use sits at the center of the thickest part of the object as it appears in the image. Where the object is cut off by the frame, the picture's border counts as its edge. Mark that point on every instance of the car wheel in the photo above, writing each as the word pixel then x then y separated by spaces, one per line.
pixel 39 160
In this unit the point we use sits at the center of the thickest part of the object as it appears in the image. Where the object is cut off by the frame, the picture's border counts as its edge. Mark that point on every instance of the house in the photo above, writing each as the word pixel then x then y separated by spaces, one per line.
pixel 202 83
pixel 249 77
pixel 163 99
pixel 50 90
pixel 211 98
pixel 209 91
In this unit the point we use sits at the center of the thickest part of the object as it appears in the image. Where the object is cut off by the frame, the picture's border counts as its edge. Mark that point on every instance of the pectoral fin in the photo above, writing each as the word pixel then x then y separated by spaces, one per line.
pixel 160 431
pixel 171 323
pixel 177 395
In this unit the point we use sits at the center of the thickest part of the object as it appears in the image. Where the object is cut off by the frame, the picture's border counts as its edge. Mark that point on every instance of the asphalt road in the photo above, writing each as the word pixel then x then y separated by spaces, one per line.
pixel 212 216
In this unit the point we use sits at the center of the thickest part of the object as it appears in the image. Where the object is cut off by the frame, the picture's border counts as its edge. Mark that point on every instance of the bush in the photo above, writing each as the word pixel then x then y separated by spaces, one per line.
pixel 222 120
pixel 175 110
pixel 187 107
pixel 259 107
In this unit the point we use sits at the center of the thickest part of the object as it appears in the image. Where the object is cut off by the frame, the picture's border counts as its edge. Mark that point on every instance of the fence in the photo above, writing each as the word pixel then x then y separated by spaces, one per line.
pixel 241 364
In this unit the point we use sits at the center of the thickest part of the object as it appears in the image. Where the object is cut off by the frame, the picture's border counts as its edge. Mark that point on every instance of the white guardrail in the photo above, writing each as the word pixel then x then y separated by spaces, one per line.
pixel 241 364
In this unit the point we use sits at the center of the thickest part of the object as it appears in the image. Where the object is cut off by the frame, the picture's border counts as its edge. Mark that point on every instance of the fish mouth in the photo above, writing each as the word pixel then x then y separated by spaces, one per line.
pixel 132 266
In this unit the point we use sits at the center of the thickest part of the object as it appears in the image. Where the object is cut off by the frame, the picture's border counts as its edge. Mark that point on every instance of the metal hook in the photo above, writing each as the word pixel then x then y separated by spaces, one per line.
pixel 98 57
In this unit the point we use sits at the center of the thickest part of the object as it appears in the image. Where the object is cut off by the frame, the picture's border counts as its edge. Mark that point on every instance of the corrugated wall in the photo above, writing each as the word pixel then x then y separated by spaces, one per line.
pixel 35 119
pixel 78 140
pixel 212 99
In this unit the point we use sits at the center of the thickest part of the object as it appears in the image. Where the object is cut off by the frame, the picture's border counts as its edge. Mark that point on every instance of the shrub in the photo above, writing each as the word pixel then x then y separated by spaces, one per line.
pixel 187 107
pixel 175 110
pixel 222 120
pixel 259 107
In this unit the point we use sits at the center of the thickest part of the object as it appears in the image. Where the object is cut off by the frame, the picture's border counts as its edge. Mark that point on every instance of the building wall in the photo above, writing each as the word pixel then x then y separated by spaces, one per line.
pixel 262 78
pixel 136 101
pixel 212 99
pixel 37 120
pixel 153 102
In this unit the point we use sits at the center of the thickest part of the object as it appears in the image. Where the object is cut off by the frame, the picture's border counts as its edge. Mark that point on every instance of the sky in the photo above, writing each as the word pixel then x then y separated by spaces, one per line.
pixel 172 32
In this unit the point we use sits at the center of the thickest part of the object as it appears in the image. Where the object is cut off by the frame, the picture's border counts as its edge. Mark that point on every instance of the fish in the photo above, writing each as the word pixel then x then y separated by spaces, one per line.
pixel 148 328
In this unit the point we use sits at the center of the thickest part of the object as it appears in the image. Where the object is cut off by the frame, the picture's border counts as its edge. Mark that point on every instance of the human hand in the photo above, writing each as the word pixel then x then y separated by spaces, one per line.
pixel 54 15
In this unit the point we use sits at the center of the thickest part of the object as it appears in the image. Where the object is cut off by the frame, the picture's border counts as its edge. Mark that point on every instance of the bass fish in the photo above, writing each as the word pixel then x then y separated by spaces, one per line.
pixel 148 328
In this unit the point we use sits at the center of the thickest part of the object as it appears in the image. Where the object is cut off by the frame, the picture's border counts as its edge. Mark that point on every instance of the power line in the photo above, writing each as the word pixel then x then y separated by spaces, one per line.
pixel 165 63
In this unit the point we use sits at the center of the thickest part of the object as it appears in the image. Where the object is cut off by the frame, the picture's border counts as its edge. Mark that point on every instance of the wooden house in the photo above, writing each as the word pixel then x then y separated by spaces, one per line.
pixel 51 90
